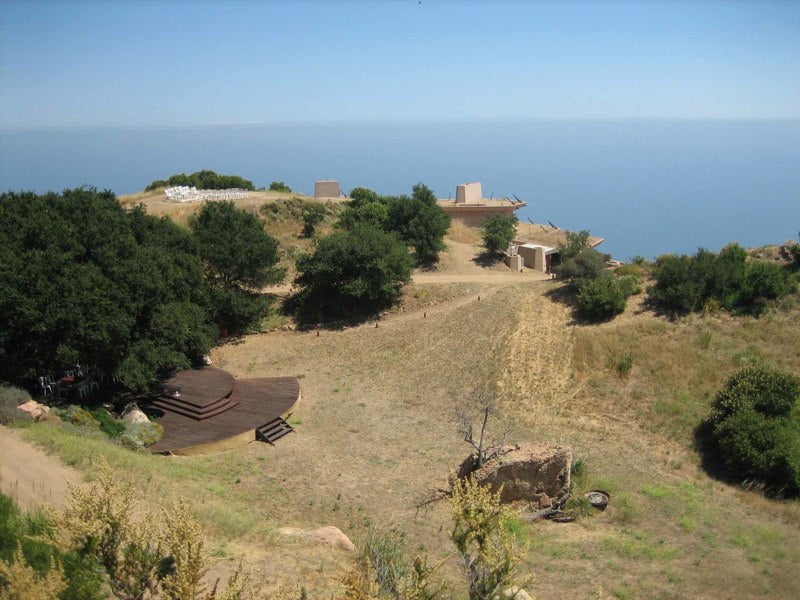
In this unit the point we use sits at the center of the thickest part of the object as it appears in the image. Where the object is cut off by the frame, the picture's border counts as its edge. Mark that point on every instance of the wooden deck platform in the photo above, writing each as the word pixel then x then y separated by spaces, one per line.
pixel 215 412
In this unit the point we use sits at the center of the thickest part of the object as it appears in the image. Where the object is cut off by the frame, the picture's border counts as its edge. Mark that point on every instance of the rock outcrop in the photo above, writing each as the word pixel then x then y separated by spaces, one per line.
pixel 528 472
pixel 132 414
pixel 33 409
pixel 332 536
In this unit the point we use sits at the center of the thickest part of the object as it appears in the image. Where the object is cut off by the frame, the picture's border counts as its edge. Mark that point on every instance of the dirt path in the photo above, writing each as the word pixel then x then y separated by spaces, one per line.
pixel 537 368
pixel 31 476
pixel 509 277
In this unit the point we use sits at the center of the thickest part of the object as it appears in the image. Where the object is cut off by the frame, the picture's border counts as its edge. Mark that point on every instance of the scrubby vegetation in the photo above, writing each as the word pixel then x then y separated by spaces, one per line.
pixel 84 280
pixel 204 180
pixel 498 232
pixel 755 422
pixel 97 548
pixel 313 214
pixel 727 280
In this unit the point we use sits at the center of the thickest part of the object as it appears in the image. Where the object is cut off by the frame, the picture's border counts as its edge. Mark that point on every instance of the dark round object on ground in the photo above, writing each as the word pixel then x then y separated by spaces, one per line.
pixel 598 498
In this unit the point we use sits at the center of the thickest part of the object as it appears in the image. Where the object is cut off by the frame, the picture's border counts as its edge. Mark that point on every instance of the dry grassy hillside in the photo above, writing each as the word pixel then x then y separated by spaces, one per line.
pixel 376 432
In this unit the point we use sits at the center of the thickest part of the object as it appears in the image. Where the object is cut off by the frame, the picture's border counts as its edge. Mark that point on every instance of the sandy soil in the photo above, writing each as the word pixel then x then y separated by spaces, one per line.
pixel 30 475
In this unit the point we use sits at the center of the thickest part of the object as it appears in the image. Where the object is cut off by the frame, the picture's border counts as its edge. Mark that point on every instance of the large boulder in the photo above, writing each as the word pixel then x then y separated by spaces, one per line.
pixel 132 414
pixel 33 410
pixel 528 472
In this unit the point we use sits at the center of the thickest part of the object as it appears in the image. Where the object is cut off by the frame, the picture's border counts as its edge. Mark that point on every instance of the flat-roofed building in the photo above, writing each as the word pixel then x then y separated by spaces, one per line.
pixel 472 209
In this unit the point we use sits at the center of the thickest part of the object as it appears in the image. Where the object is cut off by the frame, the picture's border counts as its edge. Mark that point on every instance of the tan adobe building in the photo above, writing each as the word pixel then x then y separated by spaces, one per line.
pixel 471 208
pixel 326 188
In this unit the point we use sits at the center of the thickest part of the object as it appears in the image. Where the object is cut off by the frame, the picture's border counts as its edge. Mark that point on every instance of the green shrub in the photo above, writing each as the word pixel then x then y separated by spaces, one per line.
pixel 375 214
pixel 624 364
pixel 630 284
pixel 586 265
pixel 144 434
pixel 498 232
pixel 755 422
pixel 728 280
pixel 630 269
pixel 313 214
pixel 112 427
pixel 601 298
pixel 79 417
pixel 575 244
pixel 279 186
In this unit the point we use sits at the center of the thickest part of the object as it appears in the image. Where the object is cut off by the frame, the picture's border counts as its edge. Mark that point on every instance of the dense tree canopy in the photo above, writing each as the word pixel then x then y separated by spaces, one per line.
pixel 498 232
pixel 83 280
pixel 239 258
pixel 203 180
pixel 352 273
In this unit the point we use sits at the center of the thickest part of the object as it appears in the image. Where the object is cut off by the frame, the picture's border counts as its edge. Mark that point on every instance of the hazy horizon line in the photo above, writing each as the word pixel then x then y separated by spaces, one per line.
pixel 420 121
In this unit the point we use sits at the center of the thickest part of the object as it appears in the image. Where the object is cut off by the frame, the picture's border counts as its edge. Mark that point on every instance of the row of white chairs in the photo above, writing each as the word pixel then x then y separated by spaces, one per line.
pixel 184 193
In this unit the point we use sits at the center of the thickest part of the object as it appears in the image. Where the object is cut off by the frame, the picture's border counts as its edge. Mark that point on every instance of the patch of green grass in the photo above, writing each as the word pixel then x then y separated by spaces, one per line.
pixel 519 530
pixel 687 523
pixel 635 544
pixel 760 543
pixel 658 492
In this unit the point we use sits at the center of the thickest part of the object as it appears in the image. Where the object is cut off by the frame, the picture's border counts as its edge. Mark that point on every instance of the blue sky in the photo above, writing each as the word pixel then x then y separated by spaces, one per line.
pixel 194 63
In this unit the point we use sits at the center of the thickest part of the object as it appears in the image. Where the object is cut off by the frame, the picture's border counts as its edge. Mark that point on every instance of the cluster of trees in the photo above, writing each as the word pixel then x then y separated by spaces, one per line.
pixel 360 269
pixel 279 186
pixel 418 220
pixel 725 280
pixel 204 180
pixel 755 425
pixel 85 281
pixel 600 293
pixel 498 232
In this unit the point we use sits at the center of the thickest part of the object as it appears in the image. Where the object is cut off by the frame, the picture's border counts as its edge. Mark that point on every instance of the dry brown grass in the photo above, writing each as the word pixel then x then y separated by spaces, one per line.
pixel 377 432
pixel 461 233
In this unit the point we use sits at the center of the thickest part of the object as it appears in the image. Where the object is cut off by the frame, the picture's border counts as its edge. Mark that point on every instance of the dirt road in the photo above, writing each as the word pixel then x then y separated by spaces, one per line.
pixel 31 476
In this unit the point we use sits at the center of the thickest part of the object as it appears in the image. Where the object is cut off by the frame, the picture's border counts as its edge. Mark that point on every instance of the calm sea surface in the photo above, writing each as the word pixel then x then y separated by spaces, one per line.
pixel 647 187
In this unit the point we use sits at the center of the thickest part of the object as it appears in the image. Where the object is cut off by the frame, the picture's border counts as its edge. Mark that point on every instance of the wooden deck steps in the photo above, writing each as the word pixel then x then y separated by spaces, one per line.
pixel 274 430
pixel 188 409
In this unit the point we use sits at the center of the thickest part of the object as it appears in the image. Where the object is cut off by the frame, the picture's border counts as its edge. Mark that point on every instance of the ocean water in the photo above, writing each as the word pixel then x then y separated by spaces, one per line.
pixel 647 187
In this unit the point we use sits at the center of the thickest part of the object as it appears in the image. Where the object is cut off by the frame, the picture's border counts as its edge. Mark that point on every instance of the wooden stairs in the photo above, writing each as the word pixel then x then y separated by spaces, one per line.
pixel 274 430
pixel 194 410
